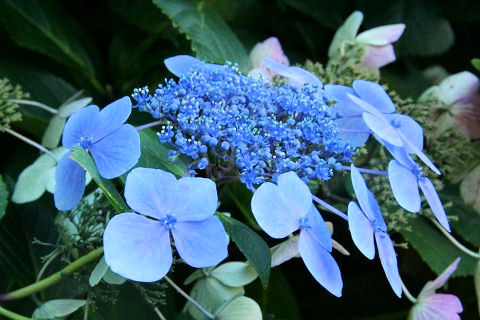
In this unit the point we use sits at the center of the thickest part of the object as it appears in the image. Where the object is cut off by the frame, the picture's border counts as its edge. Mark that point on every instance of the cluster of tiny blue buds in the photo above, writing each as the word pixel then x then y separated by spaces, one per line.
pixel 239 125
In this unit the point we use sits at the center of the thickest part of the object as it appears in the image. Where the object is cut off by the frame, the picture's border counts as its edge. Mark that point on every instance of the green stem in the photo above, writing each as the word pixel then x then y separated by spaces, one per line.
pixel 12 315
pixel 408 294
pixel 30 142
pixel 54 278
pixel 190 299
pixel 34 104
pixel 454 241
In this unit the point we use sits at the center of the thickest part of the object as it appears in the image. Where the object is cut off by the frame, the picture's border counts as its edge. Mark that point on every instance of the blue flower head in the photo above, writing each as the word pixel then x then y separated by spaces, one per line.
pixel 115 147
pixel 365 224
pixel 283 208
pixel 245 126
pixel 137 246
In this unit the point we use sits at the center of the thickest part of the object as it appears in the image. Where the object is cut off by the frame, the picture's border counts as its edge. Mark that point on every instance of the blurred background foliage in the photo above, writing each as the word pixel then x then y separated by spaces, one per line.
pixel 53 49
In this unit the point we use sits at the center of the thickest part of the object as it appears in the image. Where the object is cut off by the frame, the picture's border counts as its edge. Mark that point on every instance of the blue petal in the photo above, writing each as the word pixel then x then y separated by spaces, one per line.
pixel 434 201
pixel 196 199
pixel 343 104
pixel 295 194
pixel 398 153
pixel 361 230
pixel 388 258
pixel 355 139
pixel 404 185
pixel 271 213
pixel 410 130
pixel 361 191
pixel 151 191
pixel 117 153
pixel 69 183
pixel 80 124
pixel 374 94
pixel 413 149
pixel 365 106
pixel 318 229
pixel 201 243
pixel 320 263
pixel 383 129
pixel 183 64
pixel 112 117
pixel 298 76
pixel 137 248
pixel 376 213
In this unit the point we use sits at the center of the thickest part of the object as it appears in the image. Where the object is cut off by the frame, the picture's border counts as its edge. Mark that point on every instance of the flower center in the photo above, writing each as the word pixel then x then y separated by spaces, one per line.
pixel 395 123
pixel 378 227
pixel 168 221
pixel 418 172
pixel 303 222
pixel 85 143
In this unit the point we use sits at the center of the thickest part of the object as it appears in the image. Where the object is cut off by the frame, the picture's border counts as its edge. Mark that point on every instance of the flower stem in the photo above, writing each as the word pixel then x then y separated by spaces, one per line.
pixel 330 208
pixel 12 315
pixel 370 171
pixel 54 278
pixel 353 130
pixel 30 142
pixel 35 104
pixel 149 125
pixel 190 299
pixel 408 294
pixel 454 241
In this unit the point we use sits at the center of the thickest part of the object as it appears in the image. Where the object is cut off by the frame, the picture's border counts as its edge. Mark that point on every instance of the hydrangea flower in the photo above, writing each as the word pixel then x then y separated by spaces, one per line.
pixel 269 48
pixel 286 207
pixel 458 95
pixel 137 246
pixel 371 106
pixel 236 125
pixel 366 223
pixel 378 44
pixel 405 178
pixel 115 147
pixel 437 306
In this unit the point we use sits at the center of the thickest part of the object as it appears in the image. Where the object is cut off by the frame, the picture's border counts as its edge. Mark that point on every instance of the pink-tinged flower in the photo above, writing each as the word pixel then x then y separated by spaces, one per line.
pixel 268 48
pixel 459 94
pixel 378 44
pixel 437 306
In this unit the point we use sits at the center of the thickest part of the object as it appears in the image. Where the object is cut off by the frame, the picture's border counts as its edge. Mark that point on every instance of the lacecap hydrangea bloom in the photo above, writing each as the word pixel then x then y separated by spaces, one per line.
pixel 236 125
pixel 137 246
pixel 115 148
pixel 286 207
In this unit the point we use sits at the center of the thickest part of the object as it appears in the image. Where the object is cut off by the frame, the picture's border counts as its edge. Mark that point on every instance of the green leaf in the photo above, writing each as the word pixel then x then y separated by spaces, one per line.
pixel 235 274
pixel 42 26
pixel 241 198
pixel 211 294
pixel 86 161
pixel 476 280
pixel 468 223
pixel 194 276
pixel 154 154
pixel 476 63
pixel 58 308
pixel 3 197
pixel 436 250
pixel 212 39
pixel 241 308
pixel 347 32
pixel 140 13
pixel 98 273
pixel 285 251
pixel 251 245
